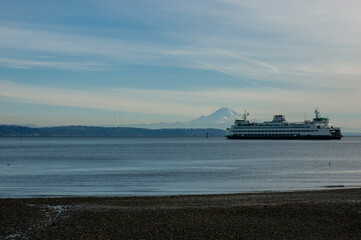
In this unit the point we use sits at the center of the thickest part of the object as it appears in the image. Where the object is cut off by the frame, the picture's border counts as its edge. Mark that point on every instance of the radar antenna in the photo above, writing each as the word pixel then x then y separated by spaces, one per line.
pixel 317 113
pixel 245 115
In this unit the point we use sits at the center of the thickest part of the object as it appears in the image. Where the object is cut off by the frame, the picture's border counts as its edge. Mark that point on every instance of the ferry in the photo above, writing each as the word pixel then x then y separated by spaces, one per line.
pixel 279 128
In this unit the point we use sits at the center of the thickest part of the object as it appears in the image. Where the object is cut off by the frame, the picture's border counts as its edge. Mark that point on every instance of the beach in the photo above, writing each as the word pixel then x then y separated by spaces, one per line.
pixel 326 214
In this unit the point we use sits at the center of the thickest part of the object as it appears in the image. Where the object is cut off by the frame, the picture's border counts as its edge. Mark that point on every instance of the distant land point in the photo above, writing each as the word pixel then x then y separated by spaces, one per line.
pixel 89 131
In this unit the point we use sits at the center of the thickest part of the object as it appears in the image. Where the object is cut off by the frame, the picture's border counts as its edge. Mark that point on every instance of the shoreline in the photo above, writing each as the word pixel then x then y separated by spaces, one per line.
pixel 305 190
pixel 315 214
pixel 320 189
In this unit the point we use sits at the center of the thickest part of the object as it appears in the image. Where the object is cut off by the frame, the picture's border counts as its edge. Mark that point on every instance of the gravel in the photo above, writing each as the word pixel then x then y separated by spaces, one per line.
pixel 328 214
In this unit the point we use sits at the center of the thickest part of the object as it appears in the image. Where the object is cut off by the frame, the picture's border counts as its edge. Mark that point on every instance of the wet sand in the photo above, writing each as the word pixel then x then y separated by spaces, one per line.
pixel 328 214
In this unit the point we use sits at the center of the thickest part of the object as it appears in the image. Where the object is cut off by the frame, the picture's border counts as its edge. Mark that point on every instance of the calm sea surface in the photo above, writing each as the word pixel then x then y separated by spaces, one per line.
pixel 33 167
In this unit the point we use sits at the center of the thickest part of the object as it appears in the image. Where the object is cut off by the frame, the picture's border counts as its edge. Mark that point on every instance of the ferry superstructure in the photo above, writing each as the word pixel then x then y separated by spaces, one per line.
pixel 279 128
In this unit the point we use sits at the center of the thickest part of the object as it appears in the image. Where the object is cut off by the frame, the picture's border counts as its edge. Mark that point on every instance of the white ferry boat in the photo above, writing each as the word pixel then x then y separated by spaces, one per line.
pixel 279 128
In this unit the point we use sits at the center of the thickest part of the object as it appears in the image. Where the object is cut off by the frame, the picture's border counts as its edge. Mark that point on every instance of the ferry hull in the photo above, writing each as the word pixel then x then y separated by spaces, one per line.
pixel 306 137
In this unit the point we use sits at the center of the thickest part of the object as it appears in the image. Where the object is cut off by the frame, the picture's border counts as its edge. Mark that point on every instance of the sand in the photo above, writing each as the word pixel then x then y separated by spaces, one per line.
pixel 327 214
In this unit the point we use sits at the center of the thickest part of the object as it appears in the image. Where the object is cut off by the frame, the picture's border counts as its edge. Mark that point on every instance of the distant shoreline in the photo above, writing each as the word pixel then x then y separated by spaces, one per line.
pixel 90 131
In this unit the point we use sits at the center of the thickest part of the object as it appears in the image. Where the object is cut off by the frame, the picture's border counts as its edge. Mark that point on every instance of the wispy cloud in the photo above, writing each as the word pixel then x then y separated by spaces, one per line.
pixel 131 100
pixel 114 52
pixel 300 23
pixel 333 68
pixel 182 103
pixel 239 60
pixel 258 63
pixel 72 44
pixel 25 64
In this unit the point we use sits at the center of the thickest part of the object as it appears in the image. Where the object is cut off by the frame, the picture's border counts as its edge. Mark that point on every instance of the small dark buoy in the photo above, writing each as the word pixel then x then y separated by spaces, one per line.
pixel 206 135
pixel 8 164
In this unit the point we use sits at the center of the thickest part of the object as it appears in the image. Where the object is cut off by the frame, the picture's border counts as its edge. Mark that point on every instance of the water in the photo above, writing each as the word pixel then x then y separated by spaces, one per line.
pixel 33 167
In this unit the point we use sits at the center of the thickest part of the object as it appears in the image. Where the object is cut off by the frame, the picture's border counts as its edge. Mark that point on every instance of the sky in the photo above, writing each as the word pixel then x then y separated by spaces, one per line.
pixel 127 62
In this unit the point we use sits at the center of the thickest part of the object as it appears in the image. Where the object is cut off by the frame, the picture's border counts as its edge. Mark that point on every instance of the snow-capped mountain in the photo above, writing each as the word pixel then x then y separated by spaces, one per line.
pixel 220 119
pixel 222 115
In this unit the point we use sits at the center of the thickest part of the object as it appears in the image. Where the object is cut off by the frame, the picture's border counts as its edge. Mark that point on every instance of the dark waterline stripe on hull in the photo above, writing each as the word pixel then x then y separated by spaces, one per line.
pixel 286 137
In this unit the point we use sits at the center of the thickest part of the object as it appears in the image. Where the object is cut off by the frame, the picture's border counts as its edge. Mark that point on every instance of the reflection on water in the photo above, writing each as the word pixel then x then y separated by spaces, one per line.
pixel 32 167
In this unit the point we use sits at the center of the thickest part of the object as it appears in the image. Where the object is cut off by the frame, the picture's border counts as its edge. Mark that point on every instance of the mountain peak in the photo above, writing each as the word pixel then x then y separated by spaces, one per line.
pixel 222 115
pixel 225 111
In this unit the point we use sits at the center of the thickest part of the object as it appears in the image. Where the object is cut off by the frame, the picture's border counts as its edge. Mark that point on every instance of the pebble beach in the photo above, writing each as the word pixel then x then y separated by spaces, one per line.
pixel 327 214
